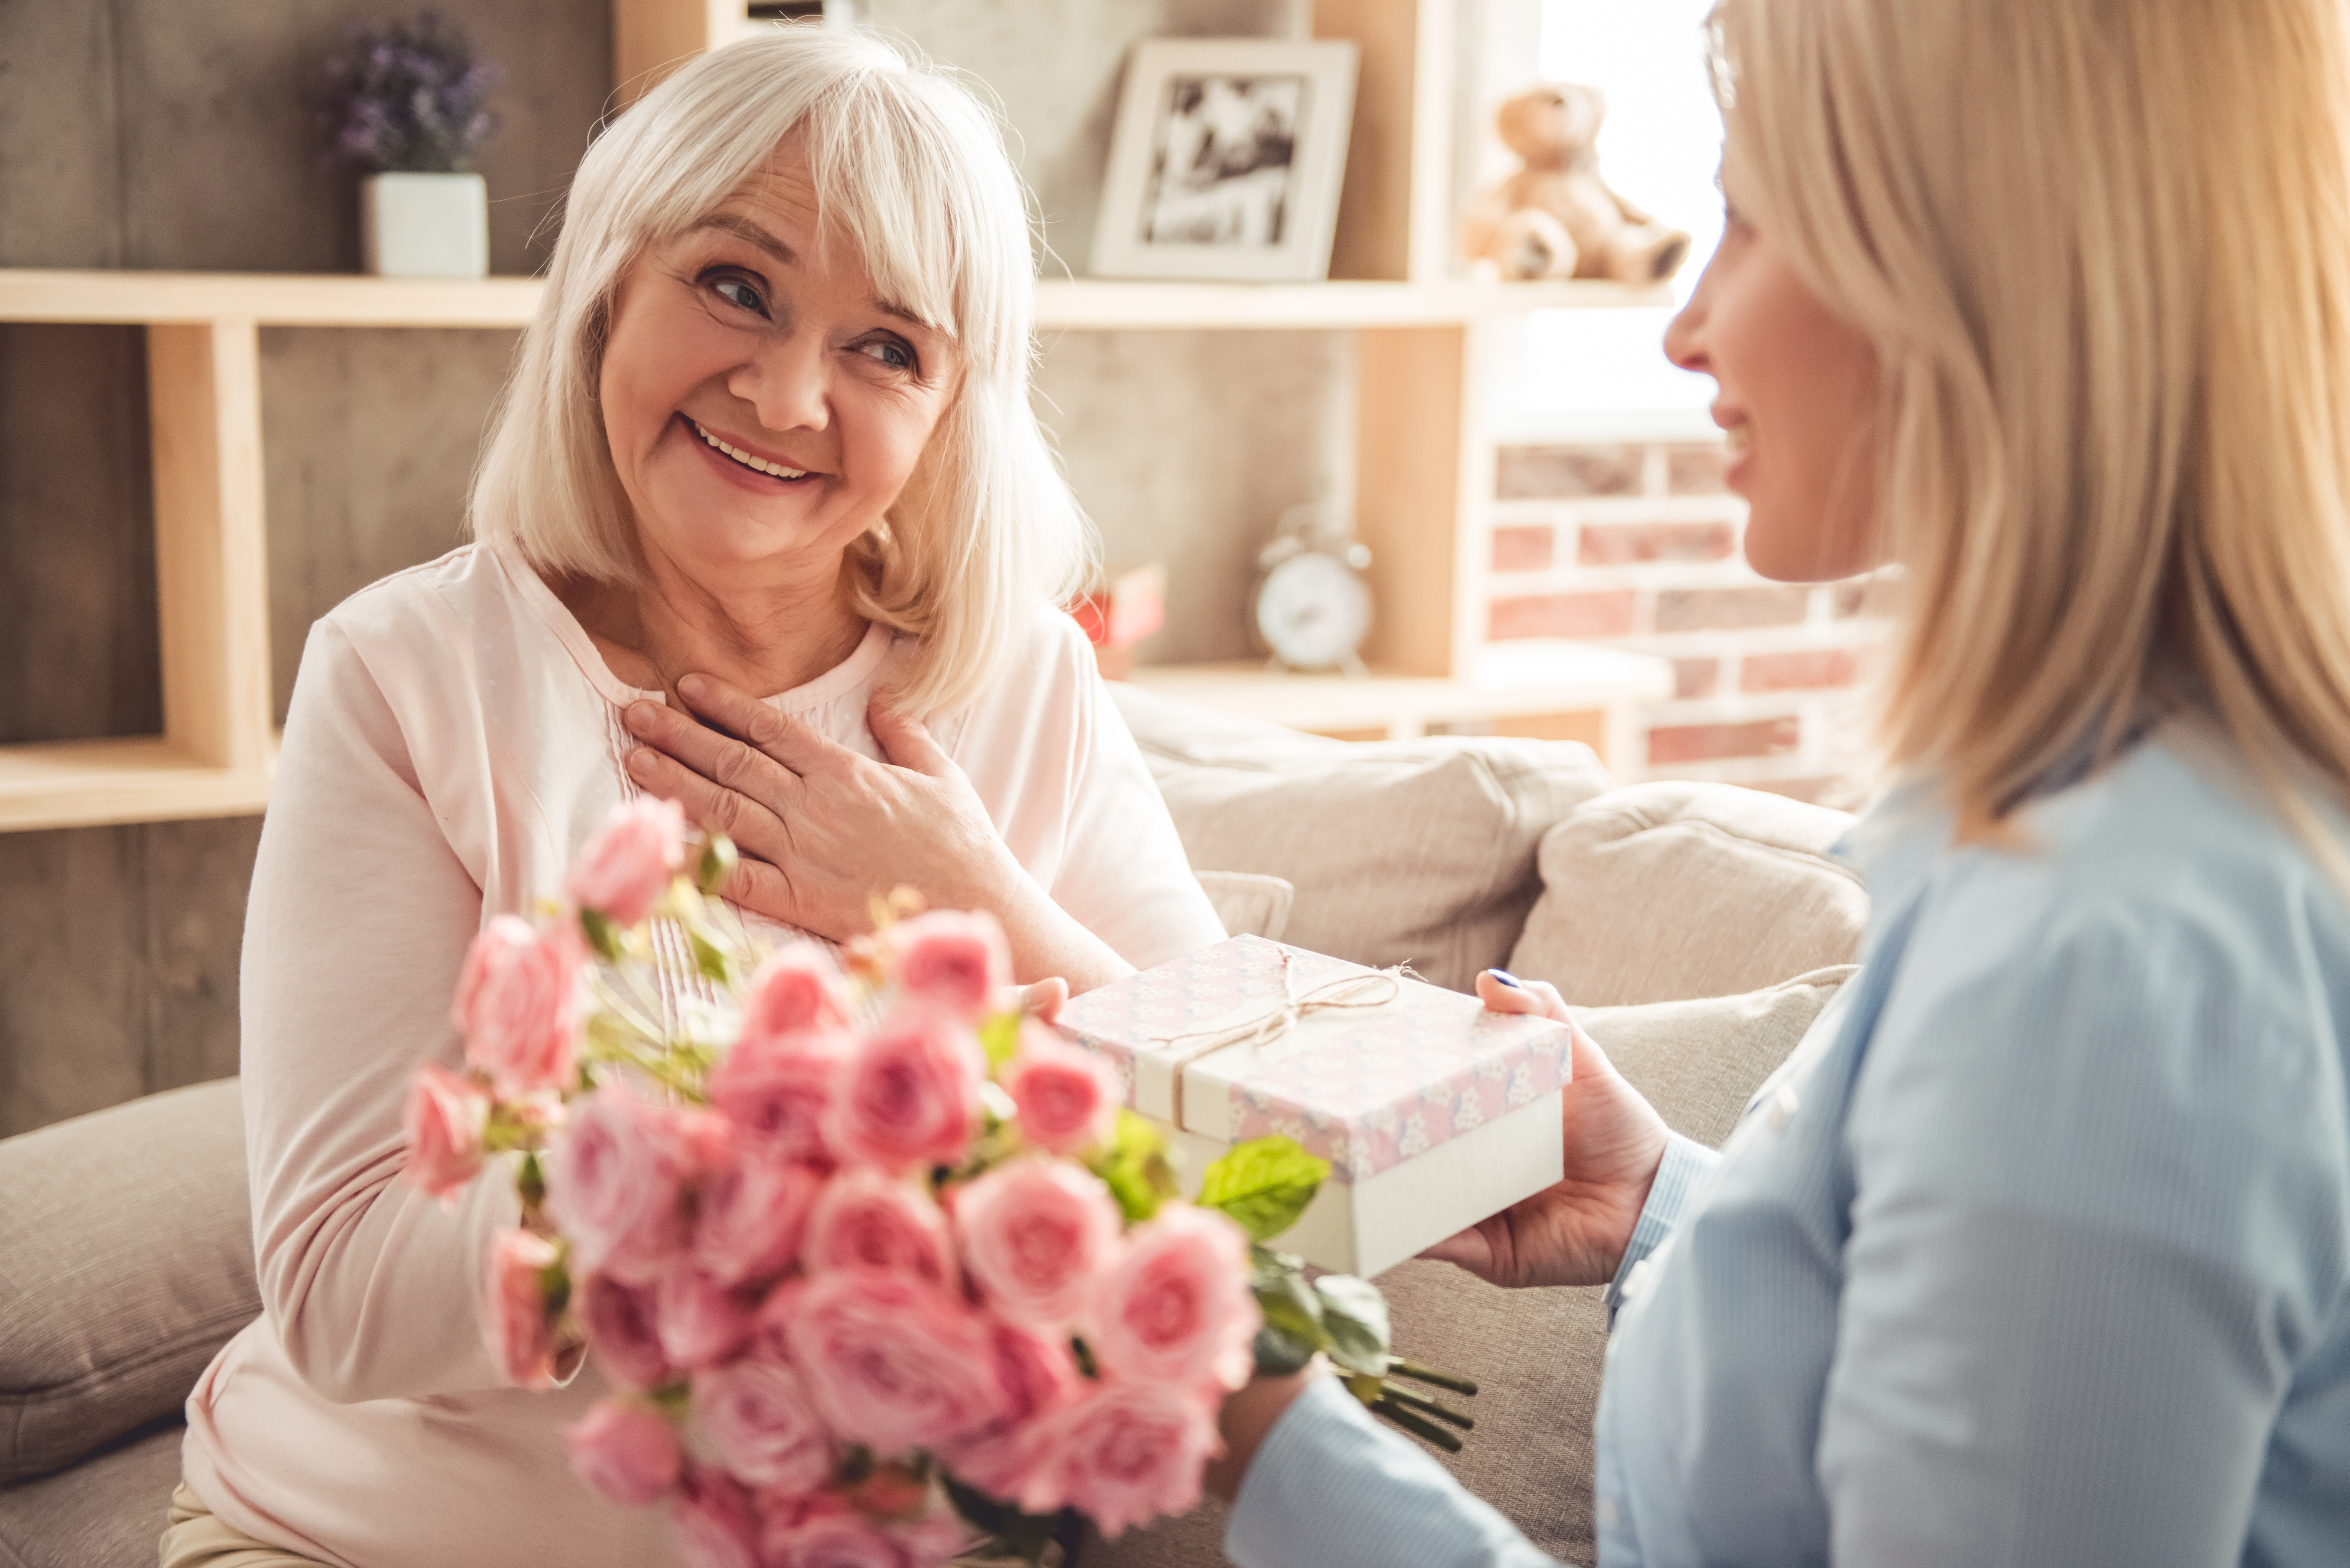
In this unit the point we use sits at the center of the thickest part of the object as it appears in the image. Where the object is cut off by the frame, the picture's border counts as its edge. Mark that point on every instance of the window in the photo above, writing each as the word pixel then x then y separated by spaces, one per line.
pixel 1601 374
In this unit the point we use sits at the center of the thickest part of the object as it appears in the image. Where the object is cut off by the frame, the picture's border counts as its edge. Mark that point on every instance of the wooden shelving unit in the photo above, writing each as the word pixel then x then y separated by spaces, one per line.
pixel 286 299
pixel 1423 466
pixel 1578 690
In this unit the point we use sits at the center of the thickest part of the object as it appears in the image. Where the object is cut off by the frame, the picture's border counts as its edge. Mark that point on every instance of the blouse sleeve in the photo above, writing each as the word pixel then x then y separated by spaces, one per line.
pixel 1073 798
pixel 360 918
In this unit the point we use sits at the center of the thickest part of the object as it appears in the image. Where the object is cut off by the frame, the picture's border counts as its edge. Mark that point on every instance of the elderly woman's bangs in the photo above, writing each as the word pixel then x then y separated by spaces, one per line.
pixel 892 181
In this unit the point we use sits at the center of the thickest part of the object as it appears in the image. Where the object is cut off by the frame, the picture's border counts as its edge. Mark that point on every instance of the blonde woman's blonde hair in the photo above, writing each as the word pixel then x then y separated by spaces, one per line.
pixel 910 170
pixel 2103 247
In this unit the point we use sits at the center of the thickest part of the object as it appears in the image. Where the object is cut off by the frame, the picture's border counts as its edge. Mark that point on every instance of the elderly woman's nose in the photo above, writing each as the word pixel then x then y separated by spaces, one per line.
pixel 786 386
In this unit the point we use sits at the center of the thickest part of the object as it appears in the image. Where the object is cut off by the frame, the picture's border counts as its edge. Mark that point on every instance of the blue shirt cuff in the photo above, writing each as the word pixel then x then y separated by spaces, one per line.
pixel 1330 1488
pixel 1685 1164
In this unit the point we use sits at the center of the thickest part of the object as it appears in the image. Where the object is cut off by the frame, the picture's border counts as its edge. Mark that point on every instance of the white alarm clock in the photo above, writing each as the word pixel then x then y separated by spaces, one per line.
pixel 1311 607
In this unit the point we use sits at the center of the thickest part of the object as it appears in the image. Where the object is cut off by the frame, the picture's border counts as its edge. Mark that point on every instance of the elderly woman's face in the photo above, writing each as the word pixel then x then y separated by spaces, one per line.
pixel 764 403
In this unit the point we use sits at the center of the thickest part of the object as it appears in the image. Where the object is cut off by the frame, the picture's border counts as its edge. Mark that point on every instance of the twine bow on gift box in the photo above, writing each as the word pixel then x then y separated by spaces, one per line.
pixel 1341 992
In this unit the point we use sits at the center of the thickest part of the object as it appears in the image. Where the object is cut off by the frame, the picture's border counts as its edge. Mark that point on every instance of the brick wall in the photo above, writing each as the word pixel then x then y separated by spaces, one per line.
pixel 1638 545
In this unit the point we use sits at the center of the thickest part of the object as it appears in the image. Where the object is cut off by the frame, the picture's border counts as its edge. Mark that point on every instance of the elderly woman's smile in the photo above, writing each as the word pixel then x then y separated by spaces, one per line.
pixel 764 404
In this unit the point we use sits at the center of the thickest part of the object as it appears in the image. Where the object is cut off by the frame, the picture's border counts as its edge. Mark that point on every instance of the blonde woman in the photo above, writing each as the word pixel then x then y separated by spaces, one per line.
pixel 765 494
pixel 2038 1250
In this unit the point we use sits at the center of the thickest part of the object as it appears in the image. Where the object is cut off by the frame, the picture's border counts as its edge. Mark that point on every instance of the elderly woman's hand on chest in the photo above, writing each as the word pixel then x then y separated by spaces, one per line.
pixel 813 818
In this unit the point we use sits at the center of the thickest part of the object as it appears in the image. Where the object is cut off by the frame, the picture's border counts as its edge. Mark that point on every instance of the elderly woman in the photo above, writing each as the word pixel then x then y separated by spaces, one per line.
pixel 764 524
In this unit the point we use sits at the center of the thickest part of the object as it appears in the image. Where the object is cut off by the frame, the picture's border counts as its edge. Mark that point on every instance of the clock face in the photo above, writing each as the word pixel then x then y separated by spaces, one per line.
pixel 1313 611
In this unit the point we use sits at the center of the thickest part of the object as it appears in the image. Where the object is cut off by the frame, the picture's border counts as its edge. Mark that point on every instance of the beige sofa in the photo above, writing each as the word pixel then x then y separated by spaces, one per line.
pixel 1703 925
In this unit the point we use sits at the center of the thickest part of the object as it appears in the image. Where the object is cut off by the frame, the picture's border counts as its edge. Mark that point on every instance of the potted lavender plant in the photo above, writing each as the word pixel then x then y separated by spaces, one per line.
pixel 404 104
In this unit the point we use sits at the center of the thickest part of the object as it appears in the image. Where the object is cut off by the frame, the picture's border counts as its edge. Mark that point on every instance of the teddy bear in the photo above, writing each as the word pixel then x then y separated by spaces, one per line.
pixel 1556 217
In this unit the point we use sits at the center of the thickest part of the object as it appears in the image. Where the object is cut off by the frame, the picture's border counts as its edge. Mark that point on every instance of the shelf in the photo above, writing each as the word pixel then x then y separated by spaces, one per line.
pixel 86 783
pixel 1087 304
pixel 272 299
pixel 1555 679
pixel 297 299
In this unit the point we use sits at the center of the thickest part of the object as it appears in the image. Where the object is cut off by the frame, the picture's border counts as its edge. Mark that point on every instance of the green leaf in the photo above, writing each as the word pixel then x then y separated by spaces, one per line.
pixel 530 1181
pixel 1263 1184
pixel 1000 1038
pixel 1292 1328
pixel 605 937
pixel 712 960
pixel 1134 1166
pixel 1017 1534
pixel 1354 1322
pixel 717 863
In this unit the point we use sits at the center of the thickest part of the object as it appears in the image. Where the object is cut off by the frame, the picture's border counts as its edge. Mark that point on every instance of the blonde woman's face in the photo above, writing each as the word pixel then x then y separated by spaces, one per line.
pixel 744 336
pixel 1797 398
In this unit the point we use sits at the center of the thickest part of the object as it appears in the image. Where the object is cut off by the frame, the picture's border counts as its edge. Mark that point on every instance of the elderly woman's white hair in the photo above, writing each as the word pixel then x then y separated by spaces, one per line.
pixel 911 171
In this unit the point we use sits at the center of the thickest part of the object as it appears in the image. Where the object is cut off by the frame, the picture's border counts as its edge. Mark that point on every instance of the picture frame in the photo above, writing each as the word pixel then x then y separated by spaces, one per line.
pixel 1226 160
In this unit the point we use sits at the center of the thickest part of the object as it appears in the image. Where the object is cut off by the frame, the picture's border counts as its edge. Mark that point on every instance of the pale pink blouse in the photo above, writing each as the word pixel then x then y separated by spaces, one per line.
pixel 454 737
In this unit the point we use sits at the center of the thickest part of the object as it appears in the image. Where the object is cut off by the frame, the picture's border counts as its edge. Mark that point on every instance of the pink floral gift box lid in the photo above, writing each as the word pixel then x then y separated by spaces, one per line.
pixel 1368 1068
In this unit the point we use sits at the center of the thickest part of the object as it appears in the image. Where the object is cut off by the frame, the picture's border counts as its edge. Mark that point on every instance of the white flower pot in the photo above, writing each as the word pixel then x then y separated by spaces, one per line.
pixel 425 225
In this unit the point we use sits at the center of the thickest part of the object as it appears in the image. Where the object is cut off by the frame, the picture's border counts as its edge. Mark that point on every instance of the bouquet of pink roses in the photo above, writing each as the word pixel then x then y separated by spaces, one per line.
pixel 870 1290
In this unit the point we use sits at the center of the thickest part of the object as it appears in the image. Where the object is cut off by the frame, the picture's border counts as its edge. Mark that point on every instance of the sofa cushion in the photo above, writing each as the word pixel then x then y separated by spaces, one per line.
pixel 1536 1354
pixel 1249 904
pixel 107 1512
pixel 1419 852
pixel 126 1262
pixel 1660 891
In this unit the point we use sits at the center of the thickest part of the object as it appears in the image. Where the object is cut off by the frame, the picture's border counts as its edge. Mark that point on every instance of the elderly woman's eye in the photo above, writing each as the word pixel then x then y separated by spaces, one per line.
pixel 737 291
pixel 889 352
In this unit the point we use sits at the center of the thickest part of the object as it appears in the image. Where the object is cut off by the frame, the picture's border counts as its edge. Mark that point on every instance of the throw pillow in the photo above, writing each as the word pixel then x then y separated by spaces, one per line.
pixel 1660 891
pixel 1419 852
pixel 1249 905
pixel 126 1262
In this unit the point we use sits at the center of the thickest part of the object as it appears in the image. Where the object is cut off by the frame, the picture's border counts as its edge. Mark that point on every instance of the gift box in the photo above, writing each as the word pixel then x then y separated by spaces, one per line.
pixel 1433 1112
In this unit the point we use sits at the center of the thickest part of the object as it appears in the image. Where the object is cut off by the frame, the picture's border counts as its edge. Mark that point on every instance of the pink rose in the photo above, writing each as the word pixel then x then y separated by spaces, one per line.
pixel 891 1362
pixel 1037 1235
pixel 519 1329
pixel 1038 1378
pixel 1127 1453
pixel 446 1118
pixel 615 1182
pixel 864 1219
pixel 762 1426
pixel 910 1095
pixel 714 1523
pixel 797 990
pixel 624 1332
pixel 851 1540
pixel 1068 1098
pixel 522 1001
pixel 626 1451
pixel 778 1091
pixel 751 1215
pixel 953 961
pixel 627 863
pixel 699 1320
pixel 1176 1306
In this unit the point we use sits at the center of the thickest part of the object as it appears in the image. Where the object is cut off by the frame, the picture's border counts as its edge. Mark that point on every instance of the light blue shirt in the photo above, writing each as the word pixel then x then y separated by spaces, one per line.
pixel 2036 1251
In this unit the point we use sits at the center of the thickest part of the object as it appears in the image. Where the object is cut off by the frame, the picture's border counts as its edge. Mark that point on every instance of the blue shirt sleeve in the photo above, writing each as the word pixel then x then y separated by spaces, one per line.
pixel 1686 1163
pixel 1330 1486
pixel 2092 1170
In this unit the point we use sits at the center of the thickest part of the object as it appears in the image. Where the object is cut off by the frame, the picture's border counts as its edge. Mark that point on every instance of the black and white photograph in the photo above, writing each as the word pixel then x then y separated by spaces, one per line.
pixel 1226 160
pixel 1227 155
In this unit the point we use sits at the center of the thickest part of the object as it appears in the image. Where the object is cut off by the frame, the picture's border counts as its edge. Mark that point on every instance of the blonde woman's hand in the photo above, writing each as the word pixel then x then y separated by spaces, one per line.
pixel 823 830
pixel 1574 1232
